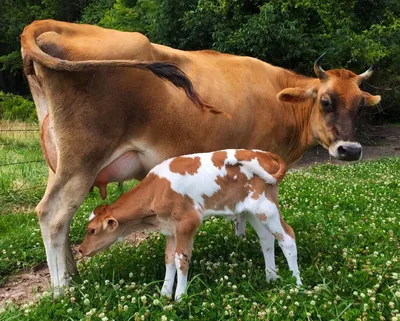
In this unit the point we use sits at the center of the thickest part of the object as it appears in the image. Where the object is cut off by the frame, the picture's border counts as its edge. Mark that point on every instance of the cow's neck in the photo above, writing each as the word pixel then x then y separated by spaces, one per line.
pixel 298 116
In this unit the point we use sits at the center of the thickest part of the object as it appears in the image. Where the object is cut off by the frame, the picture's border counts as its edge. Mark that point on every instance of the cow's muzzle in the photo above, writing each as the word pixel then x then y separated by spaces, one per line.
pixel 346 151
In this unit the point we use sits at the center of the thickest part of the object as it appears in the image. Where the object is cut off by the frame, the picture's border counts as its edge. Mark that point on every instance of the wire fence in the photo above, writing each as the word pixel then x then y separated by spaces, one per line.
pixel 19 150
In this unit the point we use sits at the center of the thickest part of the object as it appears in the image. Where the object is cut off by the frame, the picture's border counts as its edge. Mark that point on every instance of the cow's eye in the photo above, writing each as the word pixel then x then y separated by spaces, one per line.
pixel 90 231
pixel 326 104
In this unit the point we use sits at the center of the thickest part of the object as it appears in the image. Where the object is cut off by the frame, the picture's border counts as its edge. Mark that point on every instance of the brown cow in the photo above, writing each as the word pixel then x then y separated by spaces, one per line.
pixel 105 111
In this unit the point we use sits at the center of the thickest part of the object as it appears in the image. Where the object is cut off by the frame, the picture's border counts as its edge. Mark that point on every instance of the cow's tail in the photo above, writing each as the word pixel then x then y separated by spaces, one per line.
pixel 164 70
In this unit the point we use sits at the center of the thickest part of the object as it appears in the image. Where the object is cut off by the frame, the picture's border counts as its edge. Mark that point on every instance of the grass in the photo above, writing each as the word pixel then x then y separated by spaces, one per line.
pixel 347 225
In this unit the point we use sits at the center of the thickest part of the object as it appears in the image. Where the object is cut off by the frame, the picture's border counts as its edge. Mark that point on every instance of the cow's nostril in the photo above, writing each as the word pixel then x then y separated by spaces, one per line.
pixel 342 150
pixel 349 152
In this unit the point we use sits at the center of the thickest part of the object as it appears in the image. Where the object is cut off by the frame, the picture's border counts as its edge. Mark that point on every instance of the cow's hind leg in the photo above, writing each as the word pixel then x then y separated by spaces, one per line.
pixel 65 192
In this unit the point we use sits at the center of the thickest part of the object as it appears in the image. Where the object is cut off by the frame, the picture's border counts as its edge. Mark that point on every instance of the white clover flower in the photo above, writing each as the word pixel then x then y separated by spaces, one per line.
pixel 397 294
pixel 156 302
pixel 168 307
pixel 86 302
pixel 143 299
pixel 329 268
pixel 164 318
pixel 312 302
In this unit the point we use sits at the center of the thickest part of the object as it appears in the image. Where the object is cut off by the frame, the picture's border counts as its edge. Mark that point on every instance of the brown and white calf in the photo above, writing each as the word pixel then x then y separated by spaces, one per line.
pixel 177 195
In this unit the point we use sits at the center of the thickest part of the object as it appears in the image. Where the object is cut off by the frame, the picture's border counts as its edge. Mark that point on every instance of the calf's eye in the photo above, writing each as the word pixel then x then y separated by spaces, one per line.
pixel 90 231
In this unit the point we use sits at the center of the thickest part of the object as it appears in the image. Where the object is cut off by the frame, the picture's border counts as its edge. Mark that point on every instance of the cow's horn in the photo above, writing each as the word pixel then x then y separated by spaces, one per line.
pixel 365 75
pixel 321 74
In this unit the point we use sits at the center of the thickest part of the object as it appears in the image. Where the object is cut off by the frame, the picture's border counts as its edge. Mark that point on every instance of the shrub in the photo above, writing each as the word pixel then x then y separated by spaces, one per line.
pixel 14 107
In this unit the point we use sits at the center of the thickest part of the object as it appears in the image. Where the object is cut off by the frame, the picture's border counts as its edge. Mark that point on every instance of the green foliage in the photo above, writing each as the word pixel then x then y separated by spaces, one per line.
pixel 14 107
pixel 287 33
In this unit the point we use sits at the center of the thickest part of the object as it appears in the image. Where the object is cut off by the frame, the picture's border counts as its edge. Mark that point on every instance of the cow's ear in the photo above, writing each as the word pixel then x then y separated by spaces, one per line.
pixel 371 100
pixel 110 224
pixel 296 95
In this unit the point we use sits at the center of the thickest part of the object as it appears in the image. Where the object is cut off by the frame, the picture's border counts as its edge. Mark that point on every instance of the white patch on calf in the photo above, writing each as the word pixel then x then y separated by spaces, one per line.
pixel 182 278
pixel 254 167
pixel 260 205
pixel 170 271
pixel 91 216
pixel 195 186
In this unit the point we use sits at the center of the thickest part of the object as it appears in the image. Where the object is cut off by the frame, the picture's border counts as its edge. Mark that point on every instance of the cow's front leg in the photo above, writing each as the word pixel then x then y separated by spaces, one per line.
pixel 64 194
pixel 170 268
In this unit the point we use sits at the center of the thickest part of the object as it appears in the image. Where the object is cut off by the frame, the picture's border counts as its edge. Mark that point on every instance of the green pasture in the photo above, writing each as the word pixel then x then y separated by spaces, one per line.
pixel 347 225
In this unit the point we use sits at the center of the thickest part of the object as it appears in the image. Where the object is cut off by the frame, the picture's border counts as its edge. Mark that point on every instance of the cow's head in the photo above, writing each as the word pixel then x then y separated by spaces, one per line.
pixel 102 231
pixel 337 102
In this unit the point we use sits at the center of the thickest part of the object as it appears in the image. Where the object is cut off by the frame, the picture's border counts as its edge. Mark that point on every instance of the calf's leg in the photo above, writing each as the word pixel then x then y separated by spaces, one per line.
pixel 240 225
pixel 170 268
pixel 184 234
pixel 271 219
pixel 267 242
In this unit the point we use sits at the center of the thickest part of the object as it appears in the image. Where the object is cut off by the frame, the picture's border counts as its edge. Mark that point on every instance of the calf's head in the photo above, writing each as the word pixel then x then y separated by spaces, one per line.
pixel 102 231
pixel 337 100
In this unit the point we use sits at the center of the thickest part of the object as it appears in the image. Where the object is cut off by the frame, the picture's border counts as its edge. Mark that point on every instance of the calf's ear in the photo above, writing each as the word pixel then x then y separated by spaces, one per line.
pixel 110 224
pixel 296 95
